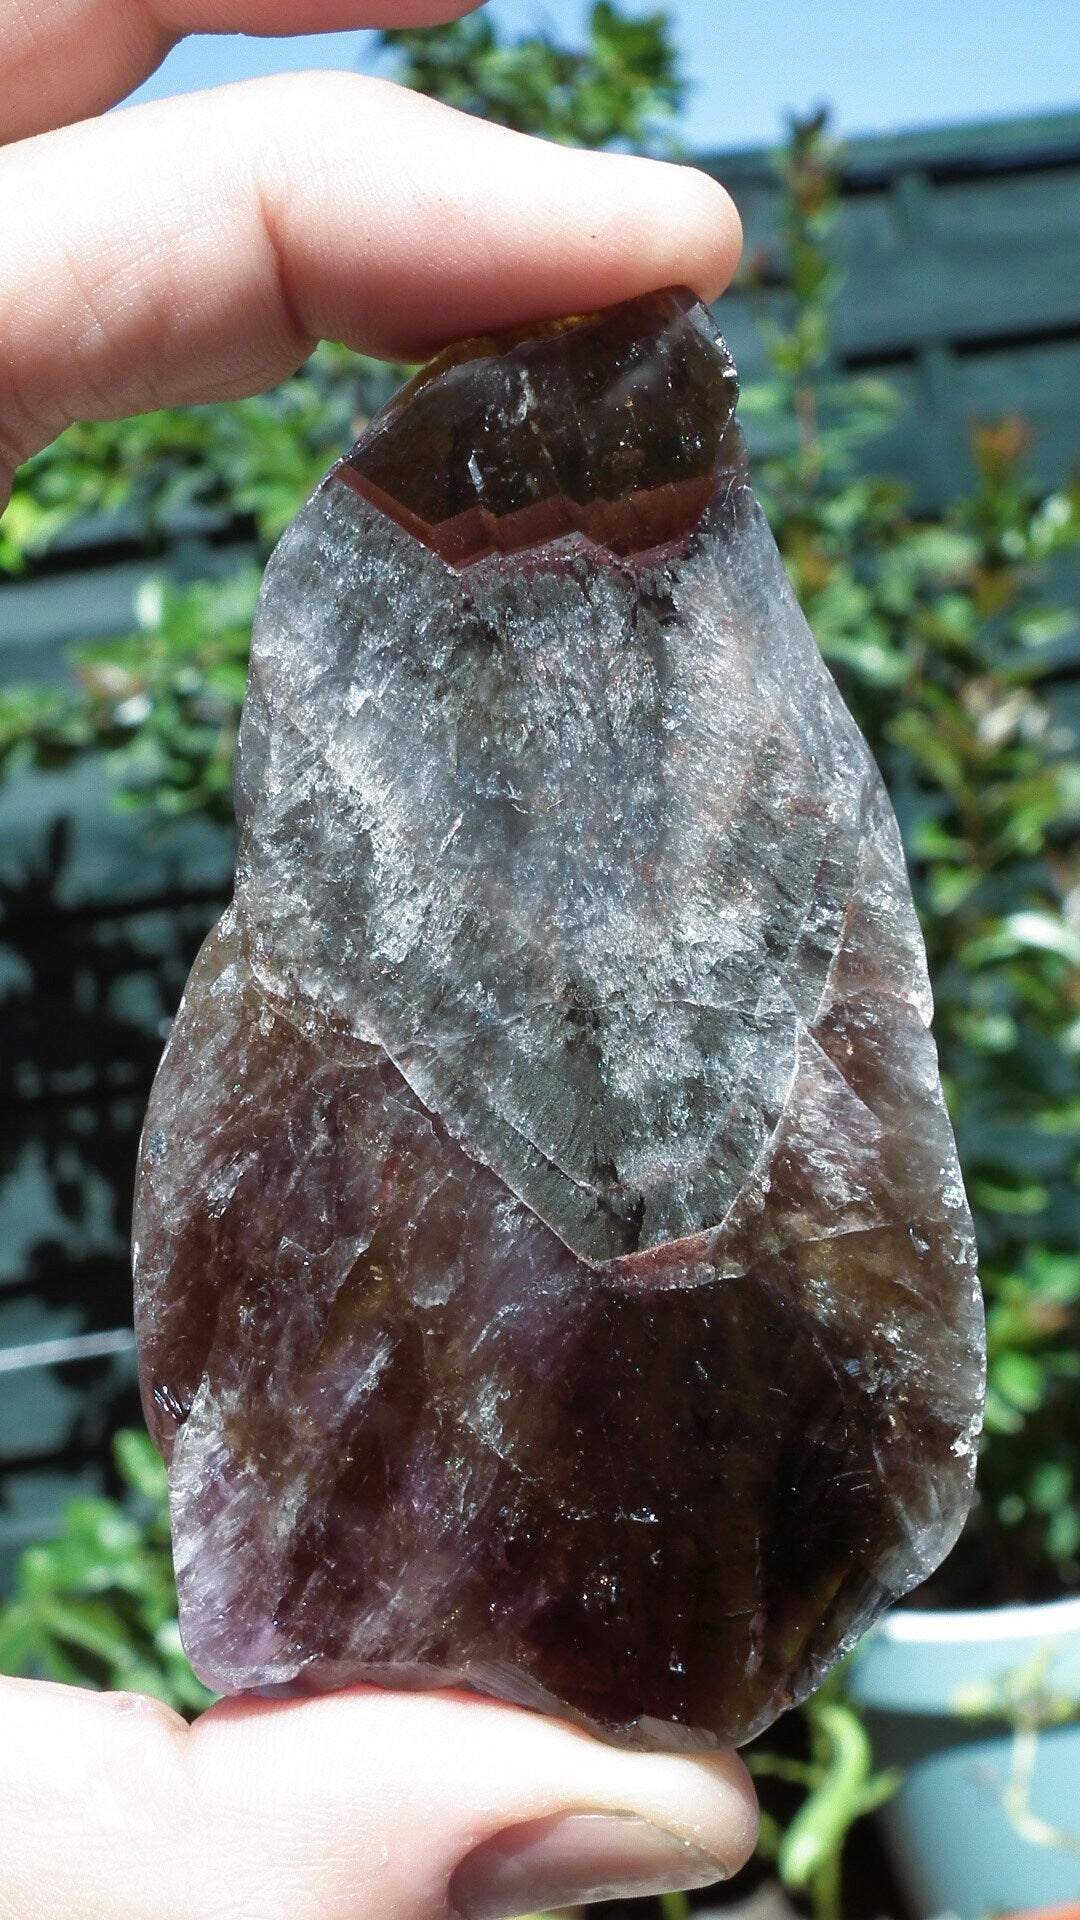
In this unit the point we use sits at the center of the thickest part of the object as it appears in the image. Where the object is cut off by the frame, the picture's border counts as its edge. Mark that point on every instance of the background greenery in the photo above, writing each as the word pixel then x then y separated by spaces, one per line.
pixel 945 636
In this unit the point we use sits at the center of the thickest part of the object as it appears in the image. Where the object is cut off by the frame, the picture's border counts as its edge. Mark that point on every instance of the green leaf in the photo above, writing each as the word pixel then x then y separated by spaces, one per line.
pixel 1000 1417
pixel 1025 1197
pixel 1020 1380
pixel 86 1626
pixel 1045 932
pixel 20 1639
pixel 1051 1486
pixel 1063 1534
pixel 141 1466
pixel 846 1790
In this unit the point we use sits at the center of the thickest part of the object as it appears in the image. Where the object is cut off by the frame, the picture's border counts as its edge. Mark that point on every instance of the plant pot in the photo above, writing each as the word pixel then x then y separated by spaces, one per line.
pixel 987 1820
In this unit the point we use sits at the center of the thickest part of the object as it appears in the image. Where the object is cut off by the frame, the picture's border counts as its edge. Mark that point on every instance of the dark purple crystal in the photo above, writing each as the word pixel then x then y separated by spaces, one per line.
pixel 552 1267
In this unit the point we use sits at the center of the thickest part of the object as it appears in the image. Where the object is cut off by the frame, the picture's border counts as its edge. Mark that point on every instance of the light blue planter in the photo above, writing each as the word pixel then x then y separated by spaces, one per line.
pixel 955 1846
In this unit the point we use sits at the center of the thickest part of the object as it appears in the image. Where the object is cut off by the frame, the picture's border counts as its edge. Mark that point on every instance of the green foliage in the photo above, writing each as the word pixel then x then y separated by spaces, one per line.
pixel 839 1787
pixel 97 1606
pixel 622 89
pixel 163 703
pixel 251 461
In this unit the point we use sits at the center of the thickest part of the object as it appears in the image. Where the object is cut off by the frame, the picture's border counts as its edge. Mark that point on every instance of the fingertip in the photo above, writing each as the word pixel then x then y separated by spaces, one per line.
pixel 742 1811
pixel 411 1785
pixel 679 227
pixel 711 235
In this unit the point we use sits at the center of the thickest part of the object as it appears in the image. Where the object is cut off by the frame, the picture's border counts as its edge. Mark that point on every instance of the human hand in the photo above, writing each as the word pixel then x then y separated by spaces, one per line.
pixel 192 251
pixel 365 1805
pixel 196 249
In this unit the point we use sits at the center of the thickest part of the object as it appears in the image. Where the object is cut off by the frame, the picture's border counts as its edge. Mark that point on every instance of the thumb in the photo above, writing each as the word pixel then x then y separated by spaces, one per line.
pixel 400 1806
pixel 366 1805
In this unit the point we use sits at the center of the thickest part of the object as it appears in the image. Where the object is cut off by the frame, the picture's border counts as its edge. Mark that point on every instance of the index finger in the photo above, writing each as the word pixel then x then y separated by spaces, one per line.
pixel 197 249
pixel 62 60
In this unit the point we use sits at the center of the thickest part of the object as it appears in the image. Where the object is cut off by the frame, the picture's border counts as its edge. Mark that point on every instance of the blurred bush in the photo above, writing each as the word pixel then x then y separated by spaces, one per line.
pixel 944 633
pixel 624 88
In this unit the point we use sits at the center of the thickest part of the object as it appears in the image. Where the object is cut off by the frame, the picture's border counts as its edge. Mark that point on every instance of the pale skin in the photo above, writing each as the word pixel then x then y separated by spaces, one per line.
pixel 197 250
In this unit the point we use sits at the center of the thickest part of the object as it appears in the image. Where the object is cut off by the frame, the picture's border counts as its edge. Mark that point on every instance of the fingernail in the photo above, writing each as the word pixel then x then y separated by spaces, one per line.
pixel 572 1858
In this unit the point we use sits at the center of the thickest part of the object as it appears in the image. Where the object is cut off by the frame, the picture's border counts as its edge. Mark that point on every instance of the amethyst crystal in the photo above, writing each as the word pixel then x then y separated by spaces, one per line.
pixel 552 1268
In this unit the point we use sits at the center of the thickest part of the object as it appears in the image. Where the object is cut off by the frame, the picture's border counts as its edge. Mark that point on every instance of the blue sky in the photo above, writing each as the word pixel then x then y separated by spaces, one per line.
pixel 882 64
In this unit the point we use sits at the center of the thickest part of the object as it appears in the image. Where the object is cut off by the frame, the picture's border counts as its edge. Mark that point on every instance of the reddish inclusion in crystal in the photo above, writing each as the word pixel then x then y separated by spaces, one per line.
pixel 611 427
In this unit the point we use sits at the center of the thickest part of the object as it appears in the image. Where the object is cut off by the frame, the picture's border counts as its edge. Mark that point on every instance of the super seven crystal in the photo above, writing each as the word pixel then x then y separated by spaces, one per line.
pixel 553 1272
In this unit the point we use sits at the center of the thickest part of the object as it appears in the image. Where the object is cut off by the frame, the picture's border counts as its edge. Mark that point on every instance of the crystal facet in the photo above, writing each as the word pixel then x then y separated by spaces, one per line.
pixel 552 1267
